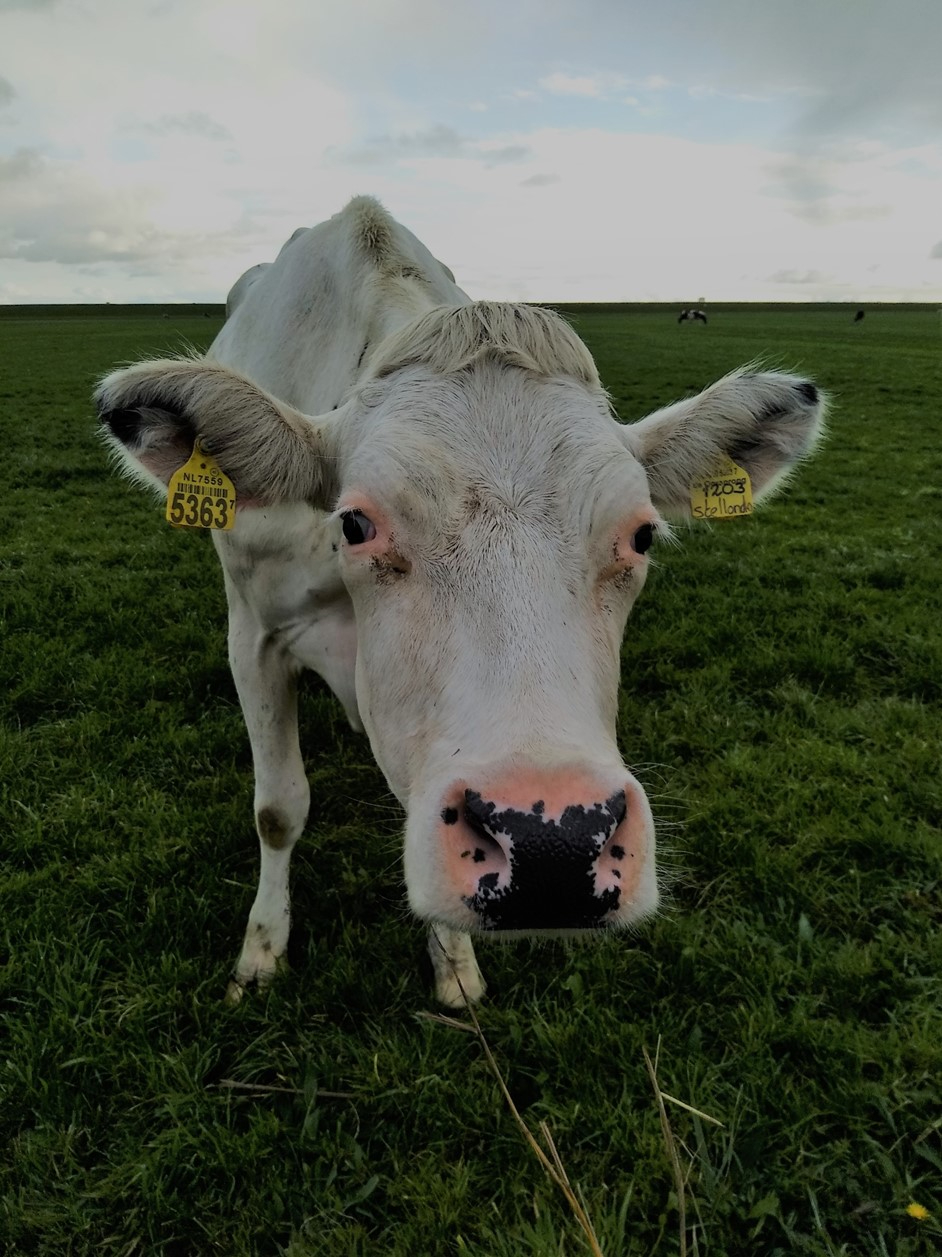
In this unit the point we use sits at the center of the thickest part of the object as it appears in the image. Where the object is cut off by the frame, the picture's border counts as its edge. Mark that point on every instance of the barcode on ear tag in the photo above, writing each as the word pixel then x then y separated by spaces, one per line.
pixel 200 494
pixel 725 494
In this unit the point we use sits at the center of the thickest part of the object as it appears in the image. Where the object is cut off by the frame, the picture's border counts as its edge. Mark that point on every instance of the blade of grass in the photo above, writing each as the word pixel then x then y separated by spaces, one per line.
pixel 671 1149
pixel 553 1167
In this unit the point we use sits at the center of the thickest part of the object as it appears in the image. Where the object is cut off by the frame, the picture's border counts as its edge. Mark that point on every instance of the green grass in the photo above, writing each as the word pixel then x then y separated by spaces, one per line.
pixel 781 694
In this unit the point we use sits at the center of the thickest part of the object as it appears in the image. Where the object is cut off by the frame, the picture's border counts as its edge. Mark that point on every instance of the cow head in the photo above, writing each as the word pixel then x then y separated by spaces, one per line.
pixel 494 527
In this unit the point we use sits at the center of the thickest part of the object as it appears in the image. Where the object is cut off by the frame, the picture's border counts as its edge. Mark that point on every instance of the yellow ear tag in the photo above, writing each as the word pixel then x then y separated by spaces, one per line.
pixel 725 494
pixel 200 494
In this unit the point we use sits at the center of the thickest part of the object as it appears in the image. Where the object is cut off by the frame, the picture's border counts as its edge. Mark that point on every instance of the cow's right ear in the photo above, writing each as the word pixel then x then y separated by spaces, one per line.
pixel 153 412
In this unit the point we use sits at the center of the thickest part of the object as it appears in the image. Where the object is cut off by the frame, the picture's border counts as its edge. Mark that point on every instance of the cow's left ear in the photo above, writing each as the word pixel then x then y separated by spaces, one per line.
pixel 767 422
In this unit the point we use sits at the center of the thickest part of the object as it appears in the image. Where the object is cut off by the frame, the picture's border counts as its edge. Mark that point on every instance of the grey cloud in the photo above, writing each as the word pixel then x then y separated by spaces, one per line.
pixel 814 191
pixel 846 67
pixel 437 141
pixel 500 156
pixel 801 180
pixel 24 164
pixel 7 94
pixel 193 123
pixel 7 6
pixel 539 181
pixel 821 214
pixel 53 212
pixel 799 277
pixel 936 250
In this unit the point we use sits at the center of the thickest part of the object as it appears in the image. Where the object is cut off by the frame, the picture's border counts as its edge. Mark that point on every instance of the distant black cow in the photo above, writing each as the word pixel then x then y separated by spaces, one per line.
pixel 858 317
pixel 691 316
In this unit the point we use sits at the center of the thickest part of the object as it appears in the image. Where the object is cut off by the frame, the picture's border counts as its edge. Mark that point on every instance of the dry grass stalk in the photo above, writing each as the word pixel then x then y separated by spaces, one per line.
pixel 264 1089
pixel 671 1151
pixel 690 1109
pixel 551 1164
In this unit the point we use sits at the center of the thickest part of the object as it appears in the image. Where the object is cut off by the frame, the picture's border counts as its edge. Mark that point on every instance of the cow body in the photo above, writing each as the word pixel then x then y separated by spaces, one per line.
pixel 692 316
pixel 440 515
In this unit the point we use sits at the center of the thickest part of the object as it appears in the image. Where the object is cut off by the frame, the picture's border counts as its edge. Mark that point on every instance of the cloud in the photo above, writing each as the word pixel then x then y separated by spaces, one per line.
pixel 572 85
pixel 829 191
pixel 195 123
pixel 803 179
pixel 800 277
pixel 601 85
pixel 56 212
pixel 7 94
pixel 25 163
pixel 825 215
pixel 506 153
pixel 245 120
pixel 437 141
pixel 936 250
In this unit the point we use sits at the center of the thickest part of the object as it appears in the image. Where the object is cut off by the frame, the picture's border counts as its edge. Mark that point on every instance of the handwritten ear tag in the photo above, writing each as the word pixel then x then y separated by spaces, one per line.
pixel 725 494
pixel 200 494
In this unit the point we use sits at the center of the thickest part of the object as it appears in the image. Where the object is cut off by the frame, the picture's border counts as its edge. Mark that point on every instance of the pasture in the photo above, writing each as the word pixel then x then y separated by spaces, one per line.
pixel 782 704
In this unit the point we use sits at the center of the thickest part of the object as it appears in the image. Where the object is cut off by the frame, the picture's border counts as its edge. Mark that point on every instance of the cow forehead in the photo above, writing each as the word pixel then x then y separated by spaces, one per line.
pixel 494 434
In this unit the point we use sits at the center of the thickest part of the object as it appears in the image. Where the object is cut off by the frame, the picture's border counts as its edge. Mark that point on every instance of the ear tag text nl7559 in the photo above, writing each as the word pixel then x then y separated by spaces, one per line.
pixel 200 494
pixel 725 494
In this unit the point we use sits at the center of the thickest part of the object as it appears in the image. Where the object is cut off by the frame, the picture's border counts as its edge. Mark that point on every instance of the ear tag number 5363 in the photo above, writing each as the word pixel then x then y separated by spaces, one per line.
pixel 200 494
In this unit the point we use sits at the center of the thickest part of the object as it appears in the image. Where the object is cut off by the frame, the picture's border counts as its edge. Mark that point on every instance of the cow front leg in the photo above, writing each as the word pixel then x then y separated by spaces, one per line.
pixel 457 976
pixel 266 680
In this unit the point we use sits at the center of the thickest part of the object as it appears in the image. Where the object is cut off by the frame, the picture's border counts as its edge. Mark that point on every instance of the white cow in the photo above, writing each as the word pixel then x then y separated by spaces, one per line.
pixel 439 514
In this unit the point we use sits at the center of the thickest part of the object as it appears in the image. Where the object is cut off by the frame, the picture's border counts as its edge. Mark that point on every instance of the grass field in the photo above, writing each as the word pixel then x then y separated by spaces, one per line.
pixel 782 687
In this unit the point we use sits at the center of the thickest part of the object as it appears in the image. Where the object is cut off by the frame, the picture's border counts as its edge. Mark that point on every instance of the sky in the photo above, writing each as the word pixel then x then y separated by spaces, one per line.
pixel 546 150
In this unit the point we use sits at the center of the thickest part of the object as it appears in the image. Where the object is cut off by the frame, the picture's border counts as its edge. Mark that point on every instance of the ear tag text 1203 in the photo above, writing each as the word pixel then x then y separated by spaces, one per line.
pixel 200 494
pixel 725 494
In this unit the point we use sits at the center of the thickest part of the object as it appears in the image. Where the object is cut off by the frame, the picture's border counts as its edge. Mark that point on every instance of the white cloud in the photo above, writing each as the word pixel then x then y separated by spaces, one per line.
pixel 572 85
pixel 125 174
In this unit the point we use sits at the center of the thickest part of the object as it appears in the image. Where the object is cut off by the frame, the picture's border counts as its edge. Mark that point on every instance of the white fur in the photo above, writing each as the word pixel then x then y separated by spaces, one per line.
pixel 483 630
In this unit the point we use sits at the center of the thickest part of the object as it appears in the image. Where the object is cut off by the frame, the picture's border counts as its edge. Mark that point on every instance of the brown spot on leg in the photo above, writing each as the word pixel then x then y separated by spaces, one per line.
pixel 272 828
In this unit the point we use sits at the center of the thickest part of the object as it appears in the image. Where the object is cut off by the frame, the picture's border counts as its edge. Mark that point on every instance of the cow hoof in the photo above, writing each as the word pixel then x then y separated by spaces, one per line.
pixel 257 979
pixel 452 995
pixel 234 992
pixel 458 979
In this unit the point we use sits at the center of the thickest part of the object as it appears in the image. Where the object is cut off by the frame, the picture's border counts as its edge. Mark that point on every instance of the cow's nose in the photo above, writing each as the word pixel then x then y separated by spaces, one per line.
pixel 536 867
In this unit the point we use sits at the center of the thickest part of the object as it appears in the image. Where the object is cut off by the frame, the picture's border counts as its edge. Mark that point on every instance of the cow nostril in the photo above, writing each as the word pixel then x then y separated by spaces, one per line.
pixel 477 813
pixel 482 846
pixel 618 806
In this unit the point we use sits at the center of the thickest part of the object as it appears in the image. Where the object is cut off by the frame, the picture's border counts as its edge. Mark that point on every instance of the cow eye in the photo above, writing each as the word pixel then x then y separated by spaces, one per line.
pixel 641 541
pixel 357 528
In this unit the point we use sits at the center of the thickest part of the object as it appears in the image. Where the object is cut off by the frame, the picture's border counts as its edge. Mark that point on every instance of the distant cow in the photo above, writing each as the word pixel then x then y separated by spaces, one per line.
pixel 692 316
pixel 858 317
pixel 440 514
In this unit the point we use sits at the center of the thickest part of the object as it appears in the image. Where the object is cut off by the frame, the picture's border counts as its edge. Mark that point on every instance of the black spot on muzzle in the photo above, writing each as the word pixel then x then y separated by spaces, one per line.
pixel 551 885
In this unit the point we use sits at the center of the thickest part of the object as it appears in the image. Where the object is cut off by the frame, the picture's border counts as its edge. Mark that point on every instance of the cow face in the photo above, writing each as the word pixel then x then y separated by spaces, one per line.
pixel 494 533
pixel 493 527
